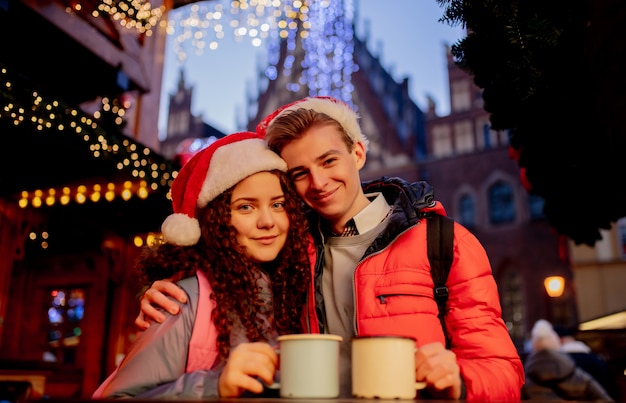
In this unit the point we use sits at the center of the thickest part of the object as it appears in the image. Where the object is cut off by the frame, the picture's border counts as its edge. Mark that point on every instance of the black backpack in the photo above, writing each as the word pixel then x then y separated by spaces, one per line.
pixel 440 239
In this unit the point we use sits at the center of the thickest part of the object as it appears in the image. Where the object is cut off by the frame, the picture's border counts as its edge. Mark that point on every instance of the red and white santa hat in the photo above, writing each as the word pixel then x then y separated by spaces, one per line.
pixel 335 108
pixel 211 171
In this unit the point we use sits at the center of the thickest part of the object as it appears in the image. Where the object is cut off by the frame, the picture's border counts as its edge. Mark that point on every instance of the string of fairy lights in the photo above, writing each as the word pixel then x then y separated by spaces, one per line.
pixel 20 105
pixel 328 50
pixel 132 14
pixel 200 26
pixel 23 106
pixel 324 27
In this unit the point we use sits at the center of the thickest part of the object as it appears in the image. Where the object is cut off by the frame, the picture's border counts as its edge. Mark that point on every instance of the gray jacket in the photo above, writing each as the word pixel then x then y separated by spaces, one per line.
pixel 154 366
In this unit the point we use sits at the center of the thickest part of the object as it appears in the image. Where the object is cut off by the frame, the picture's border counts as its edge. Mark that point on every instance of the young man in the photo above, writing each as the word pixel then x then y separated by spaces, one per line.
pixel 372 274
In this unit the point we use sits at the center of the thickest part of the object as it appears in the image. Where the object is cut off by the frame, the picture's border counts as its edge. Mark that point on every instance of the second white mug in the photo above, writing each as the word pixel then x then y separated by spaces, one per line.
pixel 383 367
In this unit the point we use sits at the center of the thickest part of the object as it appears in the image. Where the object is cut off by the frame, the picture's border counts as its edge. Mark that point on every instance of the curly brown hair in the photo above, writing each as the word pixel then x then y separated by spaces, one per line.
pixel 233 276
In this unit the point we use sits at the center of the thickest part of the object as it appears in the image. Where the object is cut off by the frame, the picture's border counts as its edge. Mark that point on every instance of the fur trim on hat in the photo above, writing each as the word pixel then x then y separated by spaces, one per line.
pixel 234 162
pixel 210 172
pixel 180 229
pixel 336 109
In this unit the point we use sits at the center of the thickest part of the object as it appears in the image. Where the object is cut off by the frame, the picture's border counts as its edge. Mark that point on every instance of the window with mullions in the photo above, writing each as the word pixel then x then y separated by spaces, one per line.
pixel 501 203
pixel 512 301
pixel 65 312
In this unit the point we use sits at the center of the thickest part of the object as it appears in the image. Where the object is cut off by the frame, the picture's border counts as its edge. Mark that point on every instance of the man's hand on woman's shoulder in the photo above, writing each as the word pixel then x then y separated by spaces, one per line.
pixel 156 299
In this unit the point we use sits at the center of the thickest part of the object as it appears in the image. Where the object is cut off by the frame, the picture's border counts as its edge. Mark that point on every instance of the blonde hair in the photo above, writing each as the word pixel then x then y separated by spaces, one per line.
pixel 294 124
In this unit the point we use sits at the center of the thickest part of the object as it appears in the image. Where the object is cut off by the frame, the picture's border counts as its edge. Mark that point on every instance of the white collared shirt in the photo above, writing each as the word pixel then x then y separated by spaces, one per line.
pixel 340 259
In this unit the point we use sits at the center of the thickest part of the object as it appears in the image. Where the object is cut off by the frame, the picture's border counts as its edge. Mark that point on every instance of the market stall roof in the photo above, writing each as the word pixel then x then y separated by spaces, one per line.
pixel 54 155
pixel 47 142
pixel 40 50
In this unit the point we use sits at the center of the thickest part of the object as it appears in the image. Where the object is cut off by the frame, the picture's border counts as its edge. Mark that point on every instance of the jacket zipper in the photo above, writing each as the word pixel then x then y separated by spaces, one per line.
pixel 382 301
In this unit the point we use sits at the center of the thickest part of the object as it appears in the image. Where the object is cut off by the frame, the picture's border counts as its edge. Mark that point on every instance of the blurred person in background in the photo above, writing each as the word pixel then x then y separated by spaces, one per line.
pixel 586 359
pixel 552 374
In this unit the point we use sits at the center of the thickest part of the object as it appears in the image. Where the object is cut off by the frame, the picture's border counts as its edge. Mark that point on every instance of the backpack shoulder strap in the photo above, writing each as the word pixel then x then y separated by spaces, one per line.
pixel 440 239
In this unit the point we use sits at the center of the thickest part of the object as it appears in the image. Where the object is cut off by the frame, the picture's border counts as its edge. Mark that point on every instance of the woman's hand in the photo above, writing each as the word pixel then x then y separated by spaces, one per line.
pixel 246 363
pixel 156 297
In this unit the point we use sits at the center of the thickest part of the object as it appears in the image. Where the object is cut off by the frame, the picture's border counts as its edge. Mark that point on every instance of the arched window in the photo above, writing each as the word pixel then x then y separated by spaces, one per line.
pixel 467 211
pixel 501 203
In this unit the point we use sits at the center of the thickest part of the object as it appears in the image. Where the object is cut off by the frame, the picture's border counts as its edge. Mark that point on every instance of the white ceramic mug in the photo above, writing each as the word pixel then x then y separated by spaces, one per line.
pixel 309 366
pixel 383 367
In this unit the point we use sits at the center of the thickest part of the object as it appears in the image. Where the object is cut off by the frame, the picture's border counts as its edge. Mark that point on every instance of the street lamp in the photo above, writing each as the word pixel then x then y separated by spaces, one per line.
pixel 554 286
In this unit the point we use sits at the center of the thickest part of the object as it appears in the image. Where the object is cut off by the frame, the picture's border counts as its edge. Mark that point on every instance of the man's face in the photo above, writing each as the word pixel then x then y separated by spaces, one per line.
pixel 326 174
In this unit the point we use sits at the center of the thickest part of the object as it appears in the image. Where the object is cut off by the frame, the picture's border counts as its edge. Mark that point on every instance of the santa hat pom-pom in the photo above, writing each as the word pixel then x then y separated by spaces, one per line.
pixel 180 229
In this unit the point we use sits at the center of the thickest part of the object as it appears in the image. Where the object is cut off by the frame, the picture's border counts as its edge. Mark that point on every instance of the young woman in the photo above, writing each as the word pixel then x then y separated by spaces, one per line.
pixel 237 244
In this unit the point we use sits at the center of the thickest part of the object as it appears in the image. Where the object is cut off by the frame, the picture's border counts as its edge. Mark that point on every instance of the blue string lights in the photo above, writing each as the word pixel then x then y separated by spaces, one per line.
pixel 328 58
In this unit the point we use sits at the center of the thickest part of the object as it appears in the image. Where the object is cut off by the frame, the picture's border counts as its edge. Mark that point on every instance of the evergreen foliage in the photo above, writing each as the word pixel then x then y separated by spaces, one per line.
pixel 553 73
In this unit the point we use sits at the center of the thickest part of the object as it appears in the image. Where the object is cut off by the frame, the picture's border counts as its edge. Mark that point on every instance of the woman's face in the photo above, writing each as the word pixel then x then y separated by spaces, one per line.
pixel 257 209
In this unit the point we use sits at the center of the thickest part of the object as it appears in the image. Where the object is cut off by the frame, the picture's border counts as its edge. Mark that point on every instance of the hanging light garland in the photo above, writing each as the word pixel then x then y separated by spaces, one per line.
pixel 329 50
pixel 324 27
pixel 132 14
pixel 328 60
pixel 20 105
pixel 201 25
